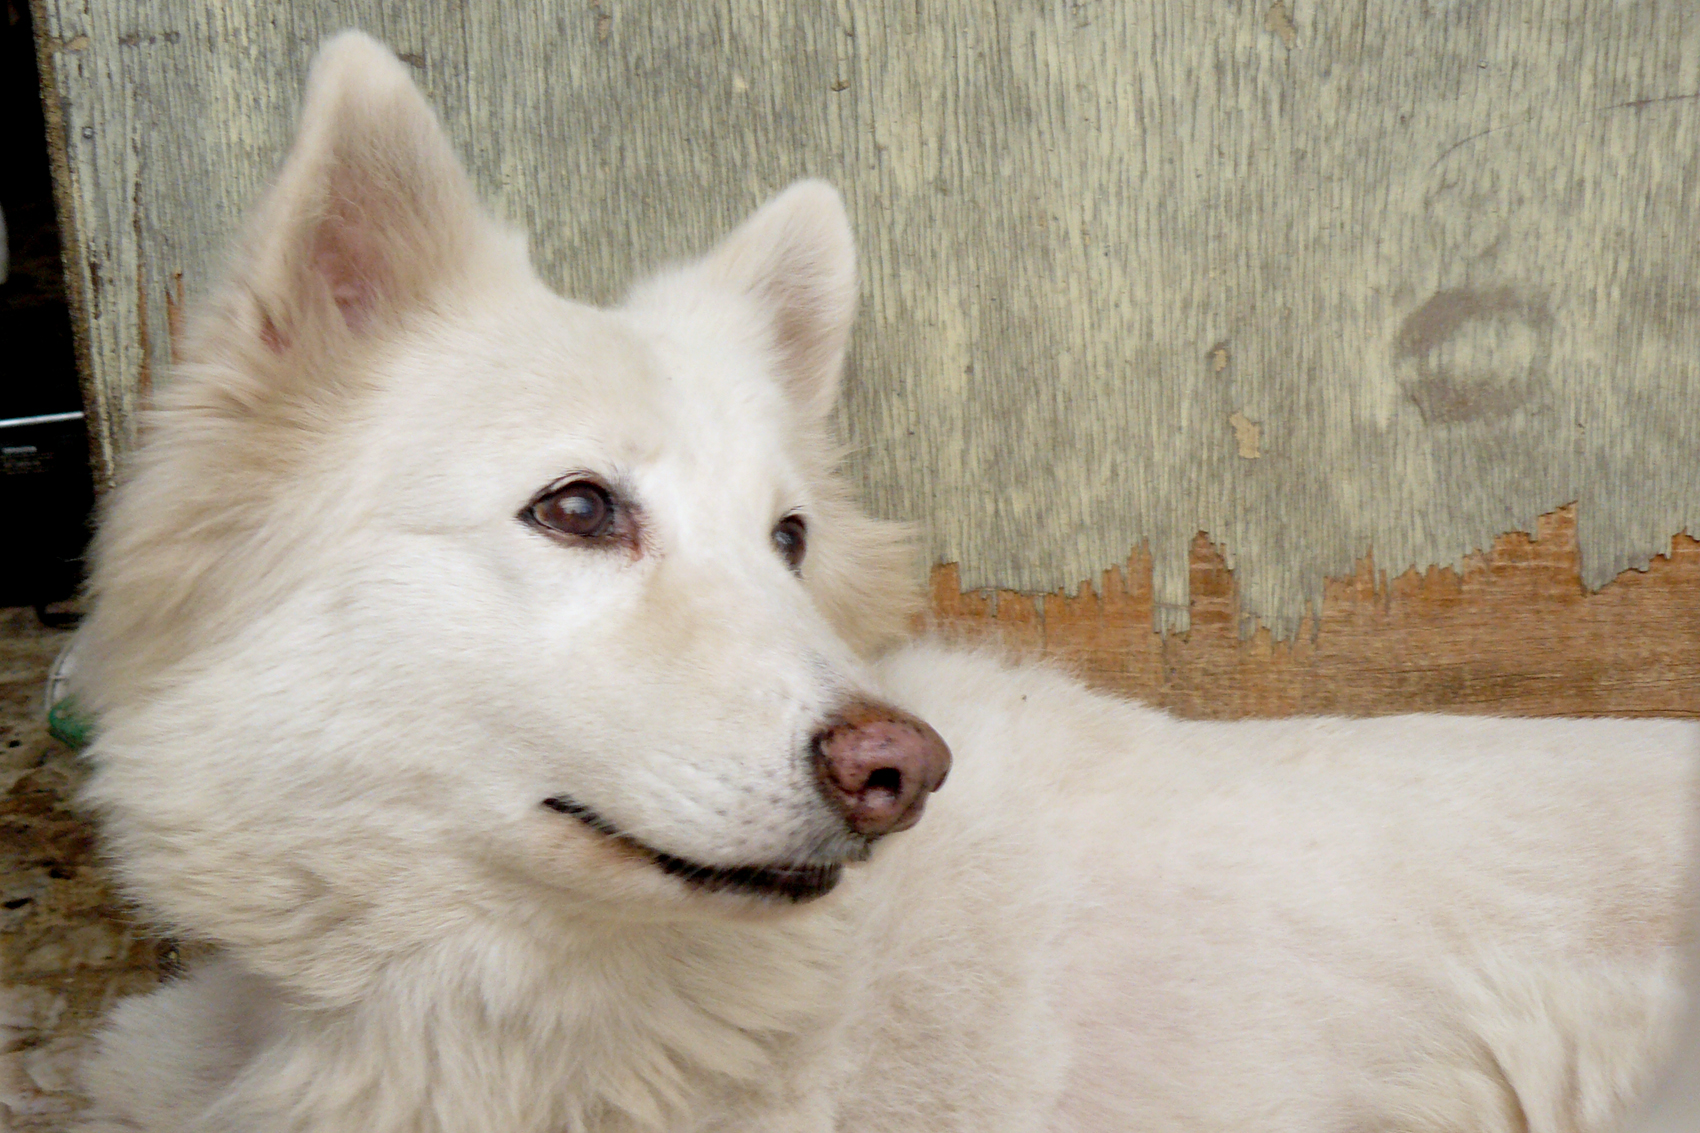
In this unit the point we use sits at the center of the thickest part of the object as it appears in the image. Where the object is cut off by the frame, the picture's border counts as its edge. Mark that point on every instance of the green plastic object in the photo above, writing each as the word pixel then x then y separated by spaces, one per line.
pixel 68 725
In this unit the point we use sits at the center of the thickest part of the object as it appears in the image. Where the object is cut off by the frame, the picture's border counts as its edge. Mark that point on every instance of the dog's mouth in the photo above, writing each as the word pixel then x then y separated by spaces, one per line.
pixel 796 882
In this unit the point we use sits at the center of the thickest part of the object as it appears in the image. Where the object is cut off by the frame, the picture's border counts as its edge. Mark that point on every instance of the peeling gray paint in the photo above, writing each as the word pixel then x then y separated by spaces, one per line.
pixel 1441 254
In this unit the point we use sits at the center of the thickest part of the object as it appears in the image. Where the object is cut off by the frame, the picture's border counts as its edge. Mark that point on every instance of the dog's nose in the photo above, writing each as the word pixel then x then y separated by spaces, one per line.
pixel 878 765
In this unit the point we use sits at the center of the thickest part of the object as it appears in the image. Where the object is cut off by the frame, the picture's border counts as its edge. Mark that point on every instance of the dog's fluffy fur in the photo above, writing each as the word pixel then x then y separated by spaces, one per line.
pixel 337 673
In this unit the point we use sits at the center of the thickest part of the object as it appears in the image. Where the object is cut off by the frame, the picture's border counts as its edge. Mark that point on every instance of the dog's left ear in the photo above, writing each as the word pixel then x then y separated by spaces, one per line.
pixel 796 257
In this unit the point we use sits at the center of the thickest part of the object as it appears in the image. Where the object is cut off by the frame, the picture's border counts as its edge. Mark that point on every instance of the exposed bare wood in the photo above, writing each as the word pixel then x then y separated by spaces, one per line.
pixel 1512 633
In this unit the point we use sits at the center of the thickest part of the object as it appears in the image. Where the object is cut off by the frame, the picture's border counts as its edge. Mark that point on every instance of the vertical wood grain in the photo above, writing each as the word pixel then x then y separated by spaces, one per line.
pixel 1402 275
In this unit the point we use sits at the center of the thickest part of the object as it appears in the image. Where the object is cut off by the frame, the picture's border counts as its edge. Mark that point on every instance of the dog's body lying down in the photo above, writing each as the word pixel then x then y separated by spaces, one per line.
pixel 509 691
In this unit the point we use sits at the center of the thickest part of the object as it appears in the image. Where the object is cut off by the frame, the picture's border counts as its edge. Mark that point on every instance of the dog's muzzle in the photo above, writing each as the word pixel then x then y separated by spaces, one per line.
pixel 875 765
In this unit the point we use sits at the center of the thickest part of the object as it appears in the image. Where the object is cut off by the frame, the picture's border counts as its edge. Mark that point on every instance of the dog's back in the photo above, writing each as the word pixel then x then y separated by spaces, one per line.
pixel 1422 923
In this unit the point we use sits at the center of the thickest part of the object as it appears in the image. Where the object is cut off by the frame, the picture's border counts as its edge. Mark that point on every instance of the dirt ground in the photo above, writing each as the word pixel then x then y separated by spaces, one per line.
pixel 68 947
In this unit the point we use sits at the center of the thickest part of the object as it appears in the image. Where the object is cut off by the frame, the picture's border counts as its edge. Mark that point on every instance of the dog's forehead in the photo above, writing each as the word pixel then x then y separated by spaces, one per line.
pixel 542 387
pixel 722 420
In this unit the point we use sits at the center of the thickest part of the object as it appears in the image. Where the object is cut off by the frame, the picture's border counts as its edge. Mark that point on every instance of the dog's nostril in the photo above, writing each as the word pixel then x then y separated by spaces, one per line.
pixel 887 779
pixel 877 765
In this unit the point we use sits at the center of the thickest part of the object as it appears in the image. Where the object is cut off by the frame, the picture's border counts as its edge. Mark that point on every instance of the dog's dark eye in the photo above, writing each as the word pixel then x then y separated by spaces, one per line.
pixel 791 539
pixel 582 508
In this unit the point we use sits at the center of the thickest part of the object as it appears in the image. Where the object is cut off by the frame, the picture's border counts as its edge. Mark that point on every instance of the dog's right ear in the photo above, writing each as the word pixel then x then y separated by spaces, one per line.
pixel 371 217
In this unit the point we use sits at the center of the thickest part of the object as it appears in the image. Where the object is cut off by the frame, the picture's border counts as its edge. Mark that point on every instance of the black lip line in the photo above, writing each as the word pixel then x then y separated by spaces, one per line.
pixel 796 883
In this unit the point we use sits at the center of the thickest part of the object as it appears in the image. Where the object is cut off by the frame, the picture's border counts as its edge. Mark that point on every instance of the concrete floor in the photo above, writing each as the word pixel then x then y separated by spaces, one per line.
pixel 68 947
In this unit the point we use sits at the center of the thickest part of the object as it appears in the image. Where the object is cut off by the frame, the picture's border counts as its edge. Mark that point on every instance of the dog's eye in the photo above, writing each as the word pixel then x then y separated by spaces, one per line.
pixel 790 538
pixel 582 508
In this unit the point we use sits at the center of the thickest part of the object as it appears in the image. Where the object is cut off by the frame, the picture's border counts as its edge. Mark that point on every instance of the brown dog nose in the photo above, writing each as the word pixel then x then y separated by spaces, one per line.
pixel 877 765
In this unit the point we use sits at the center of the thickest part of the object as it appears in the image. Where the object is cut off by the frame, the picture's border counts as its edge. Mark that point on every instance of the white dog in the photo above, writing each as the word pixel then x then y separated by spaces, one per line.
pixel 511 693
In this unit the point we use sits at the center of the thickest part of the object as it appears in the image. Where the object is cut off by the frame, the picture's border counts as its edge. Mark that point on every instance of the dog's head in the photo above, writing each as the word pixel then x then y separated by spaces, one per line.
pixel 429 590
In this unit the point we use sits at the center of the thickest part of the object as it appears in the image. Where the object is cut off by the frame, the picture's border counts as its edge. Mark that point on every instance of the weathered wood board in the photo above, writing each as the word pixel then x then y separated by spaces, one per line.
pixel 1320 281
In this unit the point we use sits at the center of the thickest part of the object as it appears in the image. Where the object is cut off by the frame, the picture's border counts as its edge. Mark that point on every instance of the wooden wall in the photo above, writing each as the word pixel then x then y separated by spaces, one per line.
pixel 1310 308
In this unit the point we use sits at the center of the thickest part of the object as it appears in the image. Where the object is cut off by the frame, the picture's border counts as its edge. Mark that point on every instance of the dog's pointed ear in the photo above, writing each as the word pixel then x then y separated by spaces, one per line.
pixel 371 215
pixel 796 256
